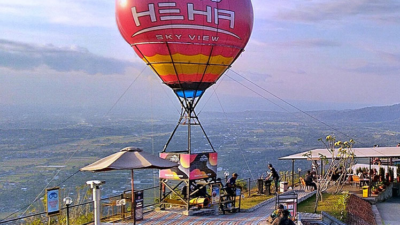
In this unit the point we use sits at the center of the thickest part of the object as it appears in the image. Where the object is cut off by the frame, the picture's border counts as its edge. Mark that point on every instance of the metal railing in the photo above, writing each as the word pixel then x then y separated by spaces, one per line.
pixel 113 209
pixel 252 184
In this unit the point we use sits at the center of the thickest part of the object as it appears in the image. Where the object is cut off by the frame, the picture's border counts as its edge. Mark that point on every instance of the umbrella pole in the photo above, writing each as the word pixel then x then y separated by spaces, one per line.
pixel 133 211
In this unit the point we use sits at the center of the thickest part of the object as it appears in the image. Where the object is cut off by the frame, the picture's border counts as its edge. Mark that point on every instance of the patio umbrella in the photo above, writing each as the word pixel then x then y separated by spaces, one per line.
pixel 129 158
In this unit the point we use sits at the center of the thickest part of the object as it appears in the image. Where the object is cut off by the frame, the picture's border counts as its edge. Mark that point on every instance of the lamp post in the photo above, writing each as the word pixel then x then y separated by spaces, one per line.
pixel 95 185
pixel 67 202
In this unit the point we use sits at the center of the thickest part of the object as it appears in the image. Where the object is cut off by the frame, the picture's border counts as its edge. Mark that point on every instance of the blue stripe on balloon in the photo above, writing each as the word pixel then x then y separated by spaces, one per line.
pixel 189 93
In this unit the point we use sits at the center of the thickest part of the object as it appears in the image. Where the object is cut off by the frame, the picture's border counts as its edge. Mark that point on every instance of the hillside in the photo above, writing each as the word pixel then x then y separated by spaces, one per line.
pixel 364 115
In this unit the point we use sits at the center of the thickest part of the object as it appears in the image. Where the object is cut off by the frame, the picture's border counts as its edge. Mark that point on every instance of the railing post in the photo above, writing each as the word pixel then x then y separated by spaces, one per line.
pixel 122 207
pixel 292 174
pixel 248 185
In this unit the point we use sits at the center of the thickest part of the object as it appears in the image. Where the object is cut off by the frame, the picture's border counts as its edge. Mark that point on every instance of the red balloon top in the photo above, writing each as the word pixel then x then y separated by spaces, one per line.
pixel 188 43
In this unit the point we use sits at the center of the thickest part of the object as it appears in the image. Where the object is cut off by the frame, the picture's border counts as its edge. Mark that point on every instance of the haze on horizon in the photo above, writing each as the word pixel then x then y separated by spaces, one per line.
pixel 313 54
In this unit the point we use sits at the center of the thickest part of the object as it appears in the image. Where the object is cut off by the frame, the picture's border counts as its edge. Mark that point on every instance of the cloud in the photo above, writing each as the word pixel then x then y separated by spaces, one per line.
pixel 23 56
pixel 312 11
pixel 305 43
pixel 378 69
pixel 310 43
pixel 73 13
pixel 389 57
pixel 379 62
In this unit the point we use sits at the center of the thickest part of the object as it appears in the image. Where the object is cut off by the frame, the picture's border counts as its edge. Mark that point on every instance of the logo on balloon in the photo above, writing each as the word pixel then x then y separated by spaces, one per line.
pixel 213 16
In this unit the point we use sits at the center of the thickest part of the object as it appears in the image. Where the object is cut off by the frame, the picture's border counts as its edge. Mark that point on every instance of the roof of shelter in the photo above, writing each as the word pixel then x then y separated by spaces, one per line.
pixel 372 152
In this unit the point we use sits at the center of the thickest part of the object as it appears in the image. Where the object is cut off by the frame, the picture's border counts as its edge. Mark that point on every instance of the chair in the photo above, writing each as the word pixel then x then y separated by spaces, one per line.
pixel 356 180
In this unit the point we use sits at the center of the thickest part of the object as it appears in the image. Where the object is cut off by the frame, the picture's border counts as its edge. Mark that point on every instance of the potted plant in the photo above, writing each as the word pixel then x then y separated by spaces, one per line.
pixel 381 186
pixel 374 190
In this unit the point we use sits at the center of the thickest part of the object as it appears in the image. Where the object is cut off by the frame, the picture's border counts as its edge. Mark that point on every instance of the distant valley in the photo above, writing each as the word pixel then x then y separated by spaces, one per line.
pixel 34 149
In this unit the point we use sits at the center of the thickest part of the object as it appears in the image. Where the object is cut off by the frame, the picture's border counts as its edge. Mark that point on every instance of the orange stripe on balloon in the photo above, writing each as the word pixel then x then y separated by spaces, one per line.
pixel 200 58
pixel 168 69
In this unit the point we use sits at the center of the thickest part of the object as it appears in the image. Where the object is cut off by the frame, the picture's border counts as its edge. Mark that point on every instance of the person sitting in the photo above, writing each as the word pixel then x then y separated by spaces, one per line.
pixel 309 180
pixel 376 161
pixel 230 186
pixel 314 174
pixel 284 219
pixel 364 175
pixel 276 214
pixel 335 174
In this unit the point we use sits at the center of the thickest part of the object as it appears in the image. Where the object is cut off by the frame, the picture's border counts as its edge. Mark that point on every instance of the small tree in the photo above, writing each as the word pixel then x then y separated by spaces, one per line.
pixel 341 158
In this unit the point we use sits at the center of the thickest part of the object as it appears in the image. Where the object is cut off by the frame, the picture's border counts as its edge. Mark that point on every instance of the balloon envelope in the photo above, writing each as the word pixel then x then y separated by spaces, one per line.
pixel 188 43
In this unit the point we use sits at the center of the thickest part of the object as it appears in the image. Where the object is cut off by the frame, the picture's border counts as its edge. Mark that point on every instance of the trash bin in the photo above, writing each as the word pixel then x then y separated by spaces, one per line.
pixel 268 187
pixel 283 186
pixel 365 191
pixel 260 185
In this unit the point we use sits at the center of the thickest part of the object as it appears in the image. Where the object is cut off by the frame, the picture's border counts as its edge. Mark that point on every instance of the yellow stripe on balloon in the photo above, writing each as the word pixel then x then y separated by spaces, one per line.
pixel 200 58
pixel 187 69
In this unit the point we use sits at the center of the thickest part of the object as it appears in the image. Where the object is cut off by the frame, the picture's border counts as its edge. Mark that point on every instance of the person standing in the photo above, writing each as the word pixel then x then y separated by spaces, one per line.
pixel 274 175
pixel 310 181
pixel 231 184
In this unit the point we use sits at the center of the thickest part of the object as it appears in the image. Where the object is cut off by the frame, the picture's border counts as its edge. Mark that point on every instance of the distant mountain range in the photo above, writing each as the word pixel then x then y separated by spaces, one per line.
pixel 363 115
pixel 368 114
pixel 374 114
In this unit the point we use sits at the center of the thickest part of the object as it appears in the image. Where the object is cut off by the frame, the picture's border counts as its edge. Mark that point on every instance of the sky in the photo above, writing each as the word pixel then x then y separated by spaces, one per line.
pixel 311 54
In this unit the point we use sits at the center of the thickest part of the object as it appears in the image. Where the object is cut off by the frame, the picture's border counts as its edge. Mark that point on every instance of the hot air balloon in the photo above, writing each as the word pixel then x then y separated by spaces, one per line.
pixel 189 44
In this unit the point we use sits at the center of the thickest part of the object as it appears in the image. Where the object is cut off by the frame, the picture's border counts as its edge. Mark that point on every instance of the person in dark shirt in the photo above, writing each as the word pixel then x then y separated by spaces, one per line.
pixel 309 180
pixel 335 174
pixel 285 220
pixel 276 214
pixel 274 175
pixel 231 184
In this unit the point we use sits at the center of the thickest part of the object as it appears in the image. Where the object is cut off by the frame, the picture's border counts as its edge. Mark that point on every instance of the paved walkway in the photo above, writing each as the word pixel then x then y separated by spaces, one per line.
pixel 390 211
pixel 257 216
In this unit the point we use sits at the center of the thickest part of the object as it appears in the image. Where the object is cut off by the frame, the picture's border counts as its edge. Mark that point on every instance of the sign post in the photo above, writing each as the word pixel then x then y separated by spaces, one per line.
pixel 53 201
pixel 139 205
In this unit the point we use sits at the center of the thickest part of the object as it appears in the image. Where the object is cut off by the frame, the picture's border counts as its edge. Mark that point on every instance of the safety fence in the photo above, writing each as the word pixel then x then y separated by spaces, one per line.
pixel 113 209
pixel 117 208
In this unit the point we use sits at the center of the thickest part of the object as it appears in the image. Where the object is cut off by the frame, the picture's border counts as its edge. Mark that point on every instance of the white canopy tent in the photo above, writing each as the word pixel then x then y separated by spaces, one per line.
pixel 360 165
pixel 368 153
pixel 375 152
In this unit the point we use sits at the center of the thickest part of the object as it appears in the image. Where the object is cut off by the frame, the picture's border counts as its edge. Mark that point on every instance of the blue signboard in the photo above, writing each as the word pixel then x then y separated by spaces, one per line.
pixel 53 201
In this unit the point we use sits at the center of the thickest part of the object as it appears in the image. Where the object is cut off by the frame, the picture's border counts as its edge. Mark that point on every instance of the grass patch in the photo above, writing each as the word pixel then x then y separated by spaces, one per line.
pixel 253 200
pixel 327 205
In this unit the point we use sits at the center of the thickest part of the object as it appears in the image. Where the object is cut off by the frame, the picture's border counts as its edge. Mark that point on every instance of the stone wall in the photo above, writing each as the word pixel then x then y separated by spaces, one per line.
pixel 359 211
pixel 388 193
